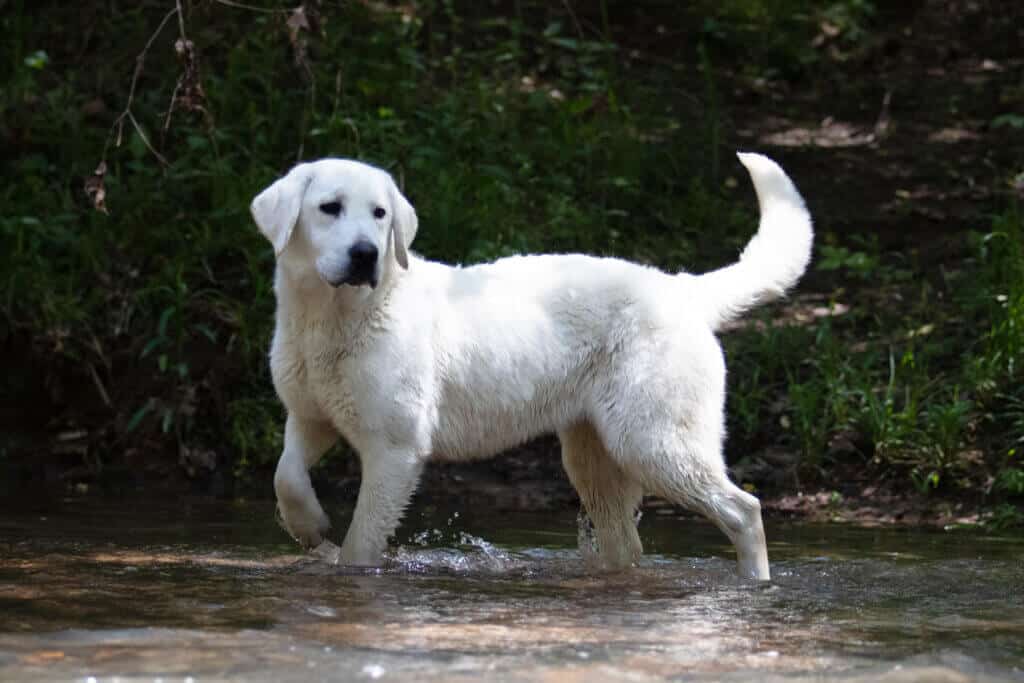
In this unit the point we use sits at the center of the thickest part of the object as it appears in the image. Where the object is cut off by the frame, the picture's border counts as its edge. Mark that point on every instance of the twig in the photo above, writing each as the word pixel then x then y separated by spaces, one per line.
pixel 302 19
pixel 138 129
pixel 181 18
pixel 99 386
pixel 177 86
pixel 884 118
pixel 337 93
pixel 251 8
pixel 575 21
pixel 140 60
pixel 170 109
pixel 308 116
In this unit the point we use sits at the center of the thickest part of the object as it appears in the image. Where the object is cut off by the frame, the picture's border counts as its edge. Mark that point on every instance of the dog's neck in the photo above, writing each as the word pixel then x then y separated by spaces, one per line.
pixel 307 298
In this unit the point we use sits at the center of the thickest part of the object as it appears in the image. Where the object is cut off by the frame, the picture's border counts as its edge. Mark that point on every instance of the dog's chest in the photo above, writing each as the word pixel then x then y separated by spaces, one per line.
pixel 312 374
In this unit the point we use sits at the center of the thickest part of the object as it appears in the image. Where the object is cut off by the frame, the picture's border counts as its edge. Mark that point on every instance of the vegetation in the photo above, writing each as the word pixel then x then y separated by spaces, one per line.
pixel 924 387
pixel 135 283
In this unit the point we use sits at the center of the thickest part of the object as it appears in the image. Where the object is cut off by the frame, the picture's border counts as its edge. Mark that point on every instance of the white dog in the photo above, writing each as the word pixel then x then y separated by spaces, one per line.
pixel 411 360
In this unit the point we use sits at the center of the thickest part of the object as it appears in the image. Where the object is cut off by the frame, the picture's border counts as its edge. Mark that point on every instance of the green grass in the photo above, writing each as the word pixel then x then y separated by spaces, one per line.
pixel 927 390
pixel 514 127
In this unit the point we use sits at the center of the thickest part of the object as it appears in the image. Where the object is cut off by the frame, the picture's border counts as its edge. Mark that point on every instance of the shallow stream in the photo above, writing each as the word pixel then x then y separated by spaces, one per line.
pixel 206 591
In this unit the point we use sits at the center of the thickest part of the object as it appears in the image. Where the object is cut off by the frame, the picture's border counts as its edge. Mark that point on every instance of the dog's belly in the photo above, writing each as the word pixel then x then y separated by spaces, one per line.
pixel 474 425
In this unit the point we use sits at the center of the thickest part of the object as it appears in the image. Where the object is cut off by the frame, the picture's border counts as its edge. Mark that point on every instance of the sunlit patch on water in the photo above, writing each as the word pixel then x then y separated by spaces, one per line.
pixel 215 591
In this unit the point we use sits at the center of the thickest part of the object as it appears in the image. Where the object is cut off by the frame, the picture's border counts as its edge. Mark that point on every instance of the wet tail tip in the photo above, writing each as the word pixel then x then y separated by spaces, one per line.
pixel 756 162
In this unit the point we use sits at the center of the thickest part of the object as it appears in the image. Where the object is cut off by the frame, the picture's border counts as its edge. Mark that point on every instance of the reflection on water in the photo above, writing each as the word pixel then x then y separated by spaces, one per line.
pixel 215 591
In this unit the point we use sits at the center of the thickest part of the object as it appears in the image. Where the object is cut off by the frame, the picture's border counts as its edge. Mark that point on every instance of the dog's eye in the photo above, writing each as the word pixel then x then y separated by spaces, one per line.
pixel 379 213
pixel 332 208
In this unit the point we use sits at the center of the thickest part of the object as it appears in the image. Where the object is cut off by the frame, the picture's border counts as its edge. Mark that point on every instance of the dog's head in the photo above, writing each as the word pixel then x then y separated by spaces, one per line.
pixel 340 217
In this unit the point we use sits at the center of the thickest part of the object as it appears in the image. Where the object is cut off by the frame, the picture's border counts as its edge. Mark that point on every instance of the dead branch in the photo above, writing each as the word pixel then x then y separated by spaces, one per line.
pixel 188 92
pixel 127 114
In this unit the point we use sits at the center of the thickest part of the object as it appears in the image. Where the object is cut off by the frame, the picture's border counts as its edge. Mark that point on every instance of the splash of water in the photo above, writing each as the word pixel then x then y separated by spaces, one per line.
pixel 470 554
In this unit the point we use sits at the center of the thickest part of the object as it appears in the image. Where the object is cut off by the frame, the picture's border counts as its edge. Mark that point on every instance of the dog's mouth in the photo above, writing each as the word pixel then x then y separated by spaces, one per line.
pixel 358 277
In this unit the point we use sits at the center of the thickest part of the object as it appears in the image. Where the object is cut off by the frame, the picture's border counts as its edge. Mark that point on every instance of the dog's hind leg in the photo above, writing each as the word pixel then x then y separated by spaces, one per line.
pixel 738 515
pixel 305 442
pixel 661 419
pixel 698 481
pixel 610 497
pixel 748 535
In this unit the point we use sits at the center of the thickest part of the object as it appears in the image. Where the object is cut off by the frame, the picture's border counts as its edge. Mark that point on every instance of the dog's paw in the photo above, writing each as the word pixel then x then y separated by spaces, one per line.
pixel 327 552
pixel 308 527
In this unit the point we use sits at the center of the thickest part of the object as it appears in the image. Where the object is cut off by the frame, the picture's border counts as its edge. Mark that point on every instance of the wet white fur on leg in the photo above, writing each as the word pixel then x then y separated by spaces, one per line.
pixel 409 359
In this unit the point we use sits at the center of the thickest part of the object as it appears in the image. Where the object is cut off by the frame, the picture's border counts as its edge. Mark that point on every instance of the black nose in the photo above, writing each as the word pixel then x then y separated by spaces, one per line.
pixel 362 254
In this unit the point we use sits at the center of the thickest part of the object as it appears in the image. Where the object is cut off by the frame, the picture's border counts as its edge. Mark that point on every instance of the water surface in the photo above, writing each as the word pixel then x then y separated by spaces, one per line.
pixel 142 590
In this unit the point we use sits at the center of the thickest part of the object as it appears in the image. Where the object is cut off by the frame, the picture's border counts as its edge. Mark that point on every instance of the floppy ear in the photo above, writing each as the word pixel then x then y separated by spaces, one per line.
pixel 403 224
pixel 276 209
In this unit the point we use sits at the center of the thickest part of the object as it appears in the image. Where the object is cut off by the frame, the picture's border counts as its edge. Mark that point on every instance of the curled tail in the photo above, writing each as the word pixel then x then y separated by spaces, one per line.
pixel 773 260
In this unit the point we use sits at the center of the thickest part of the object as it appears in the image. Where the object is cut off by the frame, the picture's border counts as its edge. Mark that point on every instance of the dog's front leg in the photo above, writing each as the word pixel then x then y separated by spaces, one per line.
pixel 305 441
pixel 389 479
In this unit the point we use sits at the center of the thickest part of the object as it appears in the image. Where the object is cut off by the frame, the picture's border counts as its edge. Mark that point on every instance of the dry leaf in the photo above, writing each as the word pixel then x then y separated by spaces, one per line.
pixel 96 190
pixel 189 93
pixel 297 22
pixel 303 19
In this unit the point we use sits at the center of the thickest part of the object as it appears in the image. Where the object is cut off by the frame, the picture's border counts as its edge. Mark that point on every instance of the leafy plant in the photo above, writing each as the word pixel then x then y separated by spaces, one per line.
pixel 1008 121
pixel 1005 516
pixel 857 263
pixel 1011 481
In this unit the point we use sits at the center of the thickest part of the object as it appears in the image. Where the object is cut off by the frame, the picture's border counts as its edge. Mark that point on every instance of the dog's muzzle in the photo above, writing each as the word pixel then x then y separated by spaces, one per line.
pixel 362 266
